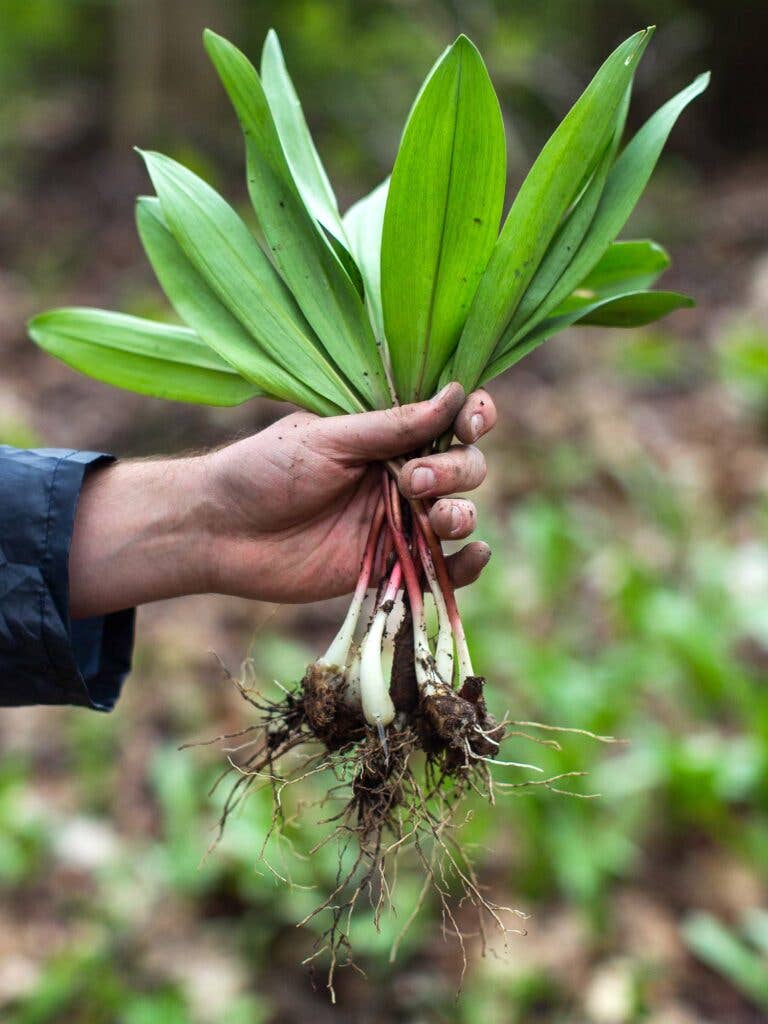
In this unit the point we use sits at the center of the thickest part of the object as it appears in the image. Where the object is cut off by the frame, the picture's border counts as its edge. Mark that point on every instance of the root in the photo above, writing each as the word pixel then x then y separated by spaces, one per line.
pixel 383 803
pixel 392 812
pixel 329 715
pixel 393 806
pixel 456 728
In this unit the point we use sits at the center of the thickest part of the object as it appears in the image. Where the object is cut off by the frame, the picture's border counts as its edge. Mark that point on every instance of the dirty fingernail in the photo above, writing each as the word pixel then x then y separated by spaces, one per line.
pixel 422 480
pixel 456 519
pixel 442 393
pixel 476 425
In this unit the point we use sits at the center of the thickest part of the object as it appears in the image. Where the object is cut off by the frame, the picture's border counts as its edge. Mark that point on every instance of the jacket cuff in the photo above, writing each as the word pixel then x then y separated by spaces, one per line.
pixel 83 662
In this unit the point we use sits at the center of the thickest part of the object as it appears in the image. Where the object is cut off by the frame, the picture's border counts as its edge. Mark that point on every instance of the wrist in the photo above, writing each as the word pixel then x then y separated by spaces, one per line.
pixel 142 533
pixel 223 528
pixel 207 526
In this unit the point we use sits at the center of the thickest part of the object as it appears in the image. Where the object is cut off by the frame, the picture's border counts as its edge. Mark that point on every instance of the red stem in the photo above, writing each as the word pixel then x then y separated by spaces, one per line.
pixel 401 546
pixel 441 569
pixel 369 555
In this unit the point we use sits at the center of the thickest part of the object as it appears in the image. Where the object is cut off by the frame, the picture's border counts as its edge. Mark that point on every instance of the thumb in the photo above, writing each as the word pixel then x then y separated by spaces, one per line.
pixel 388 432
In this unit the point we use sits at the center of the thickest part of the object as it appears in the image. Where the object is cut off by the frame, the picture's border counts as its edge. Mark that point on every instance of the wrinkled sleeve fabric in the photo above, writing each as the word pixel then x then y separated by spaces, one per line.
pixel 45 658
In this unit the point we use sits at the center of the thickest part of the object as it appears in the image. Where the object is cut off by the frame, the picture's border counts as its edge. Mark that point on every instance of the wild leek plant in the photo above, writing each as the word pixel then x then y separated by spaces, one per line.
pixel 411 288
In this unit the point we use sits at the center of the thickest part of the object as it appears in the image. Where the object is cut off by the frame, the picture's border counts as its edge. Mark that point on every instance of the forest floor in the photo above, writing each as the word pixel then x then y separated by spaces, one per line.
pixel 628 594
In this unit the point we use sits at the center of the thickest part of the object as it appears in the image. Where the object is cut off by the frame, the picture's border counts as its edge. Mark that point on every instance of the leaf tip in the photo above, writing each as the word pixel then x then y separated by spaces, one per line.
pixel 214 43
pixel 641 38
pixel 463 44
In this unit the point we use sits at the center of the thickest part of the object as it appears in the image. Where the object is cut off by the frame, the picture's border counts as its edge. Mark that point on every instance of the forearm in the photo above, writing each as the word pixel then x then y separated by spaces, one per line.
pixel 141 534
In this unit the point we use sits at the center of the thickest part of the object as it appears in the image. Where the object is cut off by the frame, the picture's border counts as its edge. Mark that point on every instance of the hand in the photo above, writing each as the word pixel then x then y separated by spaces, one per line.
pixel 296 499
pixel 281 516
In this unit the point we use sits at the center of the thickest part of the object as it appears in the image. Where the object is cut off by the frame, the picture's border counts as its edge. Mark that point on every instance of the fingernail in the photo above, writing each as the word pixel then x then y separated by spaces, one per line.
pixel 456 519
pixel 442 393
pixel 476 425
pixel 422 480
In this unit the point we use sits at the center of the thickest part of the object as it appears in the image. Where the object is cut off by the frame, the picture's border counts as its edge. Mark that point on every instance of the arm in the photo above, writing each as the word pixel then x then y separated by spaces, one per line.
pixel 281 516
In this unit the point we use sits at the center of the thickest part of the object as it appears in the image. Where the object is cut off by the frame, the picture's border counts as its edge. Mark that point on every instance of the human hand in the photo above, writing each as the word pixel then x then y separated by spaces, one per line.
pixel 295 501
pixel 280 516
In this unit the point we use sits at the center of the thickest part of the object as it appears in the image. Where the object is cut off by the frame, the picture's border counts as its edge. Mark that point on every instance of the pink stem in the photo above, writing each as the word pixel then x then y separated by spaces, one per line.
pixel 403 552
pixel 393 585
pixel 424 527
pixel 369 555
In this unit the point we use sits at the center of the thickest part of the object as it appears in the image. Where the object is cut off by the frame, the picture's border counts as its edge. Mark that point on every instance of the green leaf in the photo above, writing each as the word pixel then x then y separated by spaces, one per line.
pixel 623 188
pixel 152 358
pixel 713 943
pixel 625 266
pixel 303 159
pixel 347 261
pixel 227 256
pixel 302 156
pixel 199 306
pixel 633 309
pixel 363 224
pixel 576 224
pixel 442 216
pixel 553 183
pixel 310 268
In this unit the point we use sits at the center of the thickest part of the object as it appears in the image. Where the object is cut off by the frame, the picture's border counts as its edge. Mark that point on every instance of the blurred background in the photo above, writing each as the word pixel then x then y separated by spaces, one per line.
pixel 626 505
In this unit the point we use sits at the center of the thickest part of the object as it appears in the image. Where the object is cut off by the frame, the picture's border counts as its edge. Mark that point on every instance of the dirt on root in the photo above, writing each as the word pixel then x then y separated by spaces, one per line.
pixel 457 725
pixel 329 714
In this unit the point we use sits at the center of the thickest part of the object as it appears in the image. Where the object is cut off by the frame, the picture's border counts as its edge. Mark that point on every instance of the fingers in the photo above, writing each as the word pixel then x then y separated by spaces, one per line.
pixel 466 565
pixel 476 417
pixel 453 518
pixel 386 433
pixel 461 468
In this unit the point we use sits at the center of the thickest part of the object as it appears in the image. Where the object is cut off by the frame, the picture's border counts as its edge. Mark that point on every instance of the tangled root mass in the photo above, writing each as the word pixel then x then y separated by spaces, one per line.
pixel 389 806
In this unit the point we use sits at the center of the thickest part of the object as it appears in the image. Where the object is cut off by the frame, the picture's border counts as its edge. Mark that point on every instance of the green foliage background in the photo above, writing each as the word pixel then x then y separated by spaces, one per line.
pixel 628 593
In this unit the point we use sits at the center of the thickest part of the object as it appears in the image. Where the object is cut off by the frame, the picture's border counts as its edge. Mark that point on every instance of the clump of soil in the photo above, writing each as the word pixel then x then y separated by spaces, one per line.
pixel 327 708
pixel 458 726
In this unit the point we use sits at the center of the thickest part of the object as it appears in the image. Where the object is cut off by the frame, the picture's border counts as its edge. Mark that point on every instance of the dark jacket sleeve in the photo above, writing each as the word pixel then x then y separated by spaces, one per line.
pixel 44 657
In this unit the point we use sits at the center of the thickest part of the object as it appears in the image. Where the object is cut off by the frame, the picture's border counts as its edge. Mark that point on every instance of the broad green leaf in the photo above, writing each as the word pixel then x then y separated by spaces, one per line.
pixel 623 188
pixel 442 216
pixel 152 358
pixel 346 259
pixel 310 268
pixel 553 183
pixel 625 266
pixel 199 306
pixel 633 309
pixel 571 233
pixel 225 253
pixel 303 159
pixel 302 156
pixel 363 223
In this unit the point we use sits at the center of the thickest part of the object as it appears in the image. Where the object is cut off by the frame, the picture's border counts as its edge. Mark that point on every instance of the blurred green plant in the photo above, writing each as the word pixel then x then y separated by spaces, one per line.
pixel 730 955
pixel 743 360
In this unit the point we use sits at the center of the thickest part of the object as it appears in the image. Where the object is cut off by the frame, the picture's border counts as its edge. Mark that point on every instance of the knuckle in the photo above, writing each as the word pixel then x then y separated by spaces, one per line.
pixel 404 419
